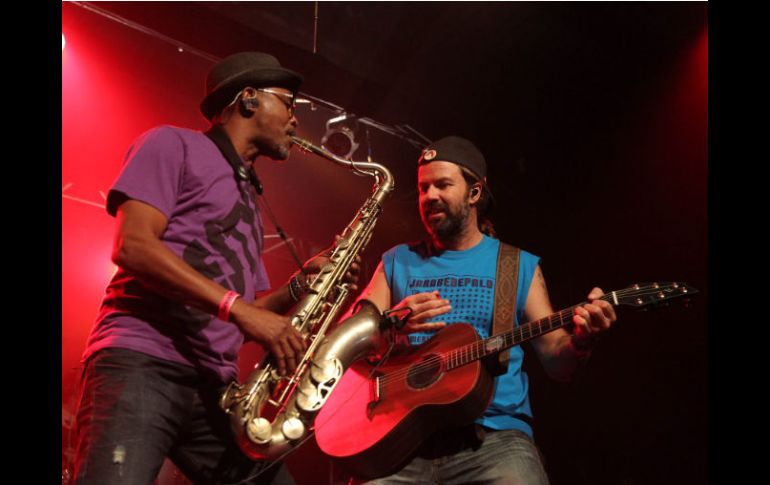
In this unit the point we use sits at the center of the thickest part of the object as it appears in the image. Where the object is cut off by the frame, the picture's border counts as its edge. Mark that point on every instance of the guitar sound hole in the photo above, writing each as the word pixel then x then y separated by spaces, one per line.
pixel 425 372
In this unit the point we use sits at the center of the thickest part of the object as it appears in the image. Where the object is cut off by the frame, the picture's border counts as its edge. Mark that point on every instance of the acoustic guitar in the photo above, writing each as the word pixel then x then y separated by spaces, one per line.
pixel 378 415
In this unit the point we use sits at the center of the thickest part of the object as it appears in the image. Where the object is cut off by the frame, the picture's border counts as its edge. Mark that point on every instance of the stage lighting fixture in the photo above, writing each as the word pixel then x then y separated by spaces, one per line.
pixel 340 136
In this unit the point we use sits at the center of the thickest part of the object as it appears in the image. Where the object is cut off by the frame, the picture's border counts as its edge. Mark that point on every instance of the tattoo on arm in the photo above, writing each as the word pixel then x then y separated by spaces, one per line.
pixel 541 280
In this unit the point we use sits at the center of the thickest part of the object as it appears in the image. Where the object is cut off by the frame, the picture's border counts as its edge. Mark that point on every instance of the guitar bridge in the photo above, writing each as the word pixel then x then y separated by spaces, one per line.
pixel 374 396
pixel 374 390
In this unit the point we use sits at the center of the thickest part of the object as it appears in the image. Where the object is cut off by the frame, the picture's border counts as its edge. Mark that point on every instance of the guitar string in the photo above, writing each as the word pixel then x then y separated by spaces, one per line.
pixel 520 330
pixel 467 349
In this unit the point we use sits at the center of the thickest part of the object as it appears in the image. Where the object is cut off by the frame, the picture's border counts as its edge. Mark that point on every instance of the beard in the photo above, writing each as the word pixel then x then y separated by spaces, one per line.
pixel 283 152
pixel 276 150
pixel 274 145
pixel 448 228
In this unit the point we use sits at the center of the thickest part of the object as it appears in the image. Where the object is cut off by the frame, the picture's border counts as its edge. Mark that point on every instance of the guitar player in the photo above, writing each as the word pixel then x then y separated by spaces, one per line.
pixel 455 277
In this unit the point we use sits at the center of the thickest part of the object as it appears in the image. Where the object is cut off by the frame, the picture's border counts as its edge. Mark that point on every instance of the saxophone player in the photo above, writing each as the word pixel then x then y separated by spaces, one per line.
pixel 184 298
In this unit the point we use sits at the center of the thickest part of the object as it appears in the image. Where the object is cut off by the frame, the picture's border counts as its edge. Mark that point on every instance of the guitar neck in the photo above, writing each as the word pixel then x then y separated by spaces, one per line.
pixel 520 334
pixel 637 296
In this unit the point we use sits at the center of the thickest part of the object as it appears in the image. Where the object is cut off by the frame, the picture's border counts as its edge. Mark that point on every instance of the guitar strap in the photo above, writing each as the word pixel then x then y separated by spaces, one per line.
pixel 506 285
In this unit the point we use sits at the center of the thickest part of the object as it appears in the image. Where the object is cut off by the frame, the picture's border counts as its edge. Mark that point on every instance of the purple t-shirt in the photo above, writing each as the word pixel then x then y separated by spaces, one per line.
pixel 213 224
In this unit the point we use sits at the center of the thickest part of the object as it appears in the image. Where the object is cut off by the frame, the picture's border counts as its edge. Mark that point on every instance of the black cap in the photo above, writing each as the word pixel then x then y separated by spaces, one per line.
pixel 459 151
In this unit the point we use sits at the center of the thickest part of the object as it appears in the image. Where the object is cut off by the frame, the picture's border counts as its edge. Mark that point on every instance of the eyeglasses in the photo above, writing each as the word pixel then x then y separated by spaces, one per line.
pixel 289 100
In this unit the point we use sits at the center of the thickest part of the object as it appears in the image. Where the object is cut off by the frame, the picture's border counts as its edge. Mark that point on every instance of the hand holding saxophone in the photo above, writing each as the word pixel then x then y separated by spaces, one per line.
pixel 273 330
pixel 314 265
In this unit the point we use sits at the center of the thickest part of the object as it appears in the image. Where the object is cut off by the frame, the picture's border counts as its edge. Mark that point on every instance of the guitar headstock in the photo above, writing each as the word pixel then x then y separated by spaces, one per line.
pixel 650 294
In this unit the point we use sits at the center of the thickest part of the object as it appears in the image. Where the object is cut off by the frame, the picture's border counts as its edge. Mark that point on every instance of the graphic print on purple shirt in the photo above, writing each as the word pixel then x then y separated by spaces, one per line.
pixel 218 233
pixel 213 224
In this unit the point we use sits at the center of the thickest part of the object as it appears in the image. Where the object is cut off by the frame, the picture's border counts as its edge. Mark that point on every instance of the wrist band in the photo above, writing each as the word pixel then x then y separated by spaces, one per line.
pixel 226 304
pixel 296 289
pixel 291 290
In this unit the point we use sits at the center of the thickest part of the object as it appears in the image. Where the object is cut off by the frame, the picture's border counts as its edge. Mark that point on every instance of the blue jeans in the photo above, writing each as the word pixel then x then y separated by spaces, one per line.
pixel 507 457
pixel 135 410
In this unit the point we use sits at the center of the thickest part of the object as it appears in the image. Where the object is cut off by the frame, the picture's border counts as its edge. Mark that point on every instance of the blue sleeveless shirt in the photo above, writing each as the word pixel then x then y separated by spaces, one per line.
pixel 467 280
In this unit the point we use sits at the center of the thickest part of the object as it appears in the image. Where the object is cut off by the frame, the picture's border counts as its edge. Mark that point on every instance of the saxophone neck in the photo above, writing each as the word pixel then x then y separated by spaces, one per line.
pixel 384 179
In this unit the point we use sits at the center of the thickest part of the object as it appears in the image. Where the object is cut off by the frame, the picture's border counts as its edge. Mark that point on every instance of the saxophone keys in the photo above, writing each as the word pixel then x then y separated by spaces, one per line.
pixel 326 370
pixel 307 400
pixel 293 428
pixel 259 430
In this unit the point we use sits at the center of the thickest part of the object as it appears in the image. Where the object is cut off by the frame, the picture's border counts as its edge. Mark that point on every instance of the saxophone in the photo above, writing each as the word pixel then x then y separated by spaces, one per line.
pixel 270 414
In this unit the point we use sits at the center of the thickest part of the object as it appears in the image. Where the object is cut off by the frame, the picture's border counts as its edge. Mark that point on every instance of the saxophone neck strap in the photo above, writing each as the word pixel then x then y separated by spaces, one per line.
pixel 242 173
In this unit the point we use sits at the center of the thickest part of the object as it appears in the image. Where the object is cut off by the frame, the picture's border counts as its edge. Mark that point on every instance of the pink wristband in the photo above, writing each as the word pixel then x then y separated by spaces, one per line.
pixel 226 304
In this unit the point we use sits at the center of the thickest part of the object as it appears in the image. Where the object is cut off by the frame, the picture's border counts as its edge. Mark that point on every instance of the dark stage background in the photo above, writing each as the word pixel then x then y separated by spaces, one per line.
pixel 592 117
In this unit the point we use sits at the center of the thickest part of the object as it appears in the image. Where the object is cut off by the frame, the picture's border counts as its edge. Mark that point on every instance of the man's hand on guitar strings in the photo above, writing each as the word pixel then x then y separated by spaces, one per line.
pixel 424 307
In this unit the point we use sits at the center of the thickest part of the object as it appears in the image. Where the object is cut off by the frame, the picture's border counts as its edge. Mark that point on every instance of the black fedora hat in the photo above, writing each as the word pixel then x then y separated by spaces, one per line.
pixel 235 72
